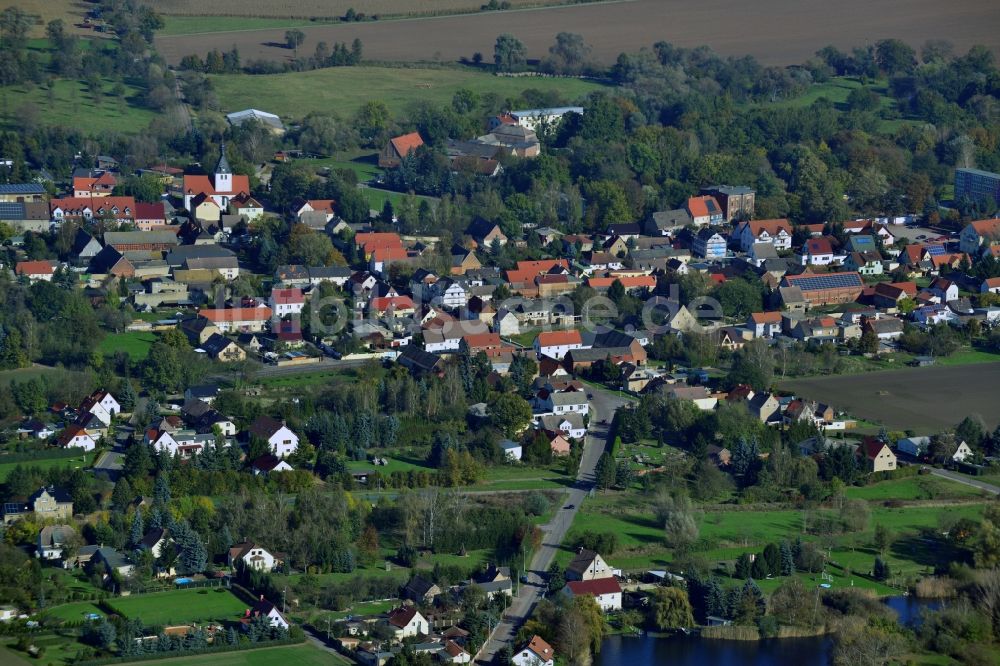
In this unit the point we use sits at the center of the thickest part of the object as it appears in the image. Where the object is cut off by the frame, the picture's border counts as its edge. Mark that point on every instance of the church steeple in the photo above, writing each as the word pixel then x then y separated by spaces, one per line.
pixel 223 173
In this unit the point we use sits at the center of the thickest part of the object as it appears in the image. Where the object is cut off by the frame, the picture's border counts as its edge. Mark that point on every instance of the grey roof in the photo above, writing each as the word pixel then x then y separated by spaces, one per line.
pixel 552 421
pixel 728 189
pixel 322 272
pixel 223 164
pixel 114 559
pixel 216 344
pixel 21 188
pixel 132 237
pixel 554 111
pixel 239 117
pixel 186 253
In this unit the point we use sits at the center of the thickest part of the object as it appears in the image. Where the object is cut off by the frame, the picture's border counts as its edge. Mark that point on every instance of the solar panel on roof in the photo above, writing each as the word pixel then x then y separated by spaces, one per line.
pixel 11 211
pixel 827 281
pixel 935 250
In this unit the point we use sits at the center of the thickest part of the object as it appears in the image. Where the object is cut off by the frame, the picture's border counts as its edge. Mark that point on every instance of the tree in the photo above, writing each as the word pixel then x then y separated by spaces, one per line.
pixel 743 564
pixel 670 608
pixel 509 54
pixel 569 55
pixel 510 413
pixel 772 559
pixel 895 57
pixel 138 461
pixel 122 495
pixel 680 529
pixel 860 643
pixel 883 538
pixel 135 532
pixel 606 471
pixel 787 559
pixel 881 569
pixel 161 491
pixel 368 544
pixel 294 39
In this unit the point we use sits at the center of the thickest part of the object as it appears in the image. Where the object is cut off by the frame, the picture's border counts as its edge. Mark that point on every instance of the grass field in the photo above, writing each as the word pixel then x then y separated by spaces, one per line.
pixel 181 606
pixel 76 611
pixel 920 399
pixel 197 25
pixel 45 463
pixel 332 9
pixel 69 104
pixel 135 343
pixel 286 655
pixel 913 488
pixel 294 95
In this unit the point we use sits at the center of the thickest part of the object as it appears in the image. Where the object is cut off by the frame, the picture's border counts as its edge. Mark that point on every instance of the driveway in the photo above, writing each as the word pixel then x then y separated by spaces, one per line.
pixel 602 406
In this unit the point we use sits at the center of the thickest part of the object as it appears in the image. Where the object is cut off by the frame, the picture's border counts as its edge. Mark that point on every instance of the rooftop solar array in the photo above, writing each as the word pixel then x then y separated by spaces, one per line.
pixel 11 211
pixel 935 250
pixel 825 281
pixel 21 188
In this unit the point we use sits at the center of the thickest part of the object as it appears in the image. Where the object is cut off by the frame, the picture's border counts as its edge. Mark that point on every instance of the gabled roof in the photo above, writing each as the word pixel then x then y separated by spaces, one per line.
pixel 406 143
pixel 264 427
pixel 766 317
pixel 39 267
pixel 772 227
pixel 582 561
pixel 235 314
pixel 541 649
pixel 402 616
pixel 596 587
pixel 817 246
pixel 558 338
pixel 872 447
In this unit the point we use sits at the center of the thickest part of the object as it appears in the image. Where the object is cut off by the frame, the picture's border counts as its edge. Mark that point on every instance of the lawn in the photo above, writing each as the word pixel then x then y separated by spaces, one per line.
pixel 294 95
pixel 377 198
pixel 299 655
pixel 70 104
pixel 73 461
pixel 913 488
pixel 75 612
pixel 134 343
pixel 164 608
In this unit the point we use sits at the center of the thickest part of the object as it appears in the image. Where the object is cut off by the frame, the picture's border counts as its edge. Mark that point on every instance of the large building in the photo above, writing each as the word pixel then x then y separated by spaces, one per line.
pixel 222 187
pixel 977 185
pixel 827 288
pixel 737 202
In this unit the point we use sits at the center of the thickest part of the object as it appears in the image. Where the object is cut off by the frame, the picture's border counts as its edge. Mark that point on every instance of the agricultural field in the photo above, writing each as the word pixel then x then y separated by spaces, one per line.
pixel 910 399
pixel 776 32
pixel 326 9
pixel 345 89
pixel 134 343
pixel 299 655
pixel 175 607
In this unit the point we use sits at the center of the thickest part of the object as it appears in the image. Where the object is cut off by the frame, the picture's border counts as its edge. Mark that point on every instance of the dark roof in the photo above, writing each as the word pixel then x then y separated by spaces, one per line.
pixel 400 617
pixel 415 358
pixel 612 339
pixel 106 259
pixel 264 427
pixel 152 537
pixel 216 344
pixel 596 587
pixel 419 587
pixel 480 227
pixel 21 188
pixel 60 495
pixel 582 561
pixel 815 282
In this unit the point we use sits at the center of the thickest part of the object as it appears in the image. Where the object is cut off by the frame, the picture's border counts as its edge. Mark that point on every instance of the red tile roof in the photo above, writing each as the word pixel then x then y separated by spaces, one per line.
pixel 386 303
pixel 198 184
pixel 558 338
pixel 766 317
pixel 39 267
pixel 407 142
pixel 402 616
pixel 482 340
pixel 772 227
pixel 287 296
pixel 542 649
pixel 150 211
pixel 986 227
pixel 235 314
pixel 596 587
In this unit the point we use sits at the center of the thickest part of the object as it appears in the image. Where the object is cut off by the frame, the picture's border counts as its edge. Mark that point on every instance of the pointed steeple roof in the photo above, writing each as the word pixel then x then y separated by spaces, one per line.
pixel 223 165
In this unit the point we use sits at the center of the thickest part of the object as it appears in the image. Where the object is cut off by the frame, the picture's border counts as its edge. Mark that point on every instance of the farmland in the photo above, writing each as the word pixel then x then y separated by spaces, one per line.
pixel 911 398
pixel 300 655
pixel 181 606
pixel 776 32
pixel 328 9
pixel 345 89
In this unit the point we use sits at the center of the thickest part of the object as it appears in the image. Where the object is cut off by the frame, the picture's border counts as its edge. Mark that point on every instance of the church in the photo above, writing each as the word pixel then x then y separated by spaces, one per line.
pixel 220 188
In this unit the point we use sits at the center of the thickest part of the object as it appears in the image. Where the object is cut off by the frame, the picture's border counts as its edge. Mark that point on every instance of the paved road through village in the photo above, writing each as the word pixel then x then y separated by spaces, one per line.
pixel 602 406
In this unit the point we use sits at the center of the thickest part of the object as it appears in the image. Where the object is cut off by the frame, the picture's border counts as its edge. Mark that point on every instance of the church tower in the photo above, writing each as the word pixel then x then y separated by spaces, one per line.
pixel 223 174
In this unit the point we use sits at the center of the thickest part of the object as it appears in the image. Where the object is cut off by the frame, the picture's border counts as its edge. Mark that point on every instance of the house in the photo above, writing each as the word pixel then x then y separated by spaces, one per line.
pixel 288 301
pixel 558 444
pixel 418 361
pixel 512 450
pixel 86 209
pixel 283 442
pixel 556 344
pixel 944 289
pixel 569 424
pixel 606 591
pixel 222 349
pixel 587 565
pixel 74 435
pixel 826 288
pixel 142 241
pixel 106 401
pixel 536 653
pixel 42 269
pixel 252 556
pixel 764 406
pixel 453 653
pixel 406 621
pixel 736 201
pixel 764 324
pixel 668 222
pixel 224 185
pixel 150 216
pixel 398 148
pixel 22 192
pixel 889 294
pixel 866 263
pixel 156 541
pixel 47 503
pixel 709 243
pixel 264 608
pixel 878 457
pixel 779 232
pixel 238 320
pixel 52 539
pixel 112 560
pixel 817 252
pixel 535 119
pixel 420 590
pixel 705 210
pixel 884 328
pixel 990 286
pixel 486 233
pixel 269 464
pixel 979 235
pixel 85 247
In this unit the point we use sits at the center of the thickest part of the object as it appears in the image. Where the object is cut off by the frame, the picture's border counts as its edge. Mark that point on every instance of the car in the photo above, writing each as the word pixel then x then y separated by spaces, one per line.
pixel 921 236
pixel 570 506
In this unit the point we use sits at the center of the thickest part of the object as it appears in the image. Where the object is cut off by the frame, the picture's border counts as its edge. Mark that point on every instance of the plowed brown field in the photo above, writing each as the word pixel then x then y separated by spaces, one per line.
pixel 774 31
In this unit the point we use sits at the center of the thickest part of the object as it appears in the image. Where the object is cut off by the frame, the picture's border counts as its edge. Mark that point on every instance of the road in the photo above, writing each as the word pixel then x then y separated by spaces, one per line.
pixel 602 406
pixel 965 480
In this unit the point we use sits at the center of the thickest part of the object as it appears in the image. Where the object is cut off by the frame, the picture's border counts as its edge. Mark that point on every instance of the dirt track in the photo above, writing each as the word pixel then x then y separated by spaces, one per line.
pixel 777 32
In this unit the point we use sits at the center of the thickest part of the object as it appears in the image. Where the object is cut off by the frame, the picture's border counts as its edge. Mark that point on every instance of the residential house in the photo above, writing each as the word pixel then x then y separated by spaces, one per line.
pixel 569 424
pixel 512 450
pixel 818 252
pixel 51 541
pixel 268 464
pixel 399 147
pixel 705 210
pixel 605 591
pixel 865 263
pixel 282 441
pixel 736 201
pixel 486 233
pixel 536 653
pixel 289 301
pixel 535 119
pixel 884 328
pixel 587 565
pixel 150 216
pixel 878 457
pixel 47 503
pixel 117 209
pixel 668 222
pixel 889 294
pixel 222 349
pixel 418 361
pixel 990 286
pixel 22 192
pixel 764 324
pixel 238 320
pixel 944 289
pixel 764 406
pixel 85 247
pixel 420 590
pixel 35 271
pixel 709 243
pixel 556 344
pixel 74 435
pixel 264 608
pixel 156 541
pixel 979 236
pixel 252 556
pixel 112 560
pixel 246 207
pixel 406 621
pixel 779 232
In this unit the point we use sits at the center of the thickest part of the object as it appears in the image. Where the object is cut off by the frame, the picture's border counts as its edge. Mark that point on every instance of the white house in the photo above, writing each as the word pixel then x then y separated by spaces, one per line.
pixel 764 324
pixel 817 252
pixel 944 289
pixel 606 591
pixel 452 293
pixel 556 344
pixel 52 539
pixel 536 653
pixel 962 452
pixel 571 425
pixel 76 436
pixel 253 556
pixel 778 232
pixel 978 233
pixel 567 402
pixel 406 621
pixel 282 440
pixel 287 301
pixel 588 565
pixel 265 608
pixel 107 401
pixel 512 450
